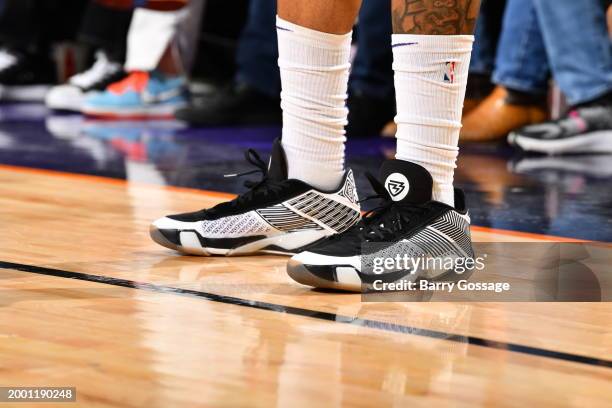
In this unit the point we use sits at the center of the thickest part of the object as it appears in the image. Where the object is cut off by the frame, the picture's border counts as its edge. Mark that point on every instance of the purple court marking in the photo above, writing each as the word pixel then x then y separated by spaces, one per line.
pixel 404 44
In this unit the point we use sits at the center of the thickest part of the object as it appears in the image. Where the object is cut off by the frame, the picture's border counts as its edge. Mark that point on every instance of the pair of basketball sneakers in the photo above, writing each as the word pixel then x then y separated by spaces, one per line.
pixel 324 231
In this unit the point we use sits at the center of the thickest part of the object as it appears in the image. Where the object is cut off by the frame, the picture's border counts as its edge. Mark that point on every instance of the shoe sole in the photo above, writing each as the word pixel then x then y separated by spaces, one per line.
pixel 351 282
pixel 300 273
pixel 598 166
pixel 594 142
pixel 149 112
pixel 66 104
pixel 187 242
pixel 28 93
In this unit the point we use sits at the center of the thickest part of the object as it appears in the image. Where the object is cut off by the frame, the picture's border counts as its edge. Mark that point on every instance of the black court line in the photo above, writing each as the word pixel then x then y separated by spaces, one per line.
pixel 356 321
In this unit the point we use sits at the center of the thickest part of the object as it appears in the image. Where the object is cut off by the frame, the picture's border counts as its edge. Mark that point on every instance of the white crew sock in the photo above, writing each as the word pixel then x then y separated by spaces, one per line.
pixel 314 69
pixel 431 74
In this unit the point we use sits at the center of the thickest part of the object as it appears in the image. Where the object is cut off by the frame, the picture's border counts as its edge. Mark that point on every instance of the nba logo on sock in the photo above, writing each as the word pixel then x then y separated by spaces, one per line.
pixel 397 185
pixel 449 73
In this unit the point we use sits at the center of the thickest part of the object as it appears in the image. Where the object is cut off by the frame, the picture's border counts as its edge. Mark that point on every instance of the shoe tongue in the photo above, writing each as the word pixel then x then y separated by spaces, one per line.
pixel 277 167
pixel 406 182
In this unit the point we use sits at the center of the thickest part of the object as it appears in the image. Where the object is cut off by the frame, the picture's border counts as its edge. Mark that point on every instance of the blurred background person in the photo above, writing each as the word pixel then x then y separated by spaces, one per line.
pixel 521 45
pixel 253 97
pixel 104 28
pixel 253 94
pixel 579 53
pixel 518 67
pixel 564 39
pixel 482 64
pixel 161 47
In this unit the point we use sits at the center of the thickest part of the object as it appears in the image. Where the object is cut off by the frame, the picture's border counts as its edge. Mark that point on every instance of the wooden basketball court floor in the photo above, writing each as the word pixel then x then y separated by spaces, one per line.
pixel 87 300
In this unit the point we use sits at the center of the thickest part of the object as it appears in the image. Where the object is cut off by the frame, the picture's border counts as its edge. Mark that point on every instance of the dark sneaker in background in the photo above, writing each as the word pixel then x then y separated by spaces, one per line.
pixel 23 77
pixel 407 222
pixel 277 215
pixel 236 104
pixel 368 116
pixel 586 129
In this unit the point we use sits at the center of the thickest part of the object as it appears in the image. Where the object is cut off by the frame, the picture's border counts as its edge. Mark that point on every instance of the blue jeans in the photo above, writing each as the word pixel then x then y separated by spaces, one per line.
pixel 257 56
pixel 488 31
pixel 372 72
pixel 566 37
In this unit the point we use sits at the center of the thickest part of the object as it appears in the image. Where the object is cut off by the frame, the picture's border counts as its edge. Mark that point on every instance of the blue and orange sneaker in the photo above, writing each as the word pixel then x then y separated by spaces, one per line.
pixel 141 95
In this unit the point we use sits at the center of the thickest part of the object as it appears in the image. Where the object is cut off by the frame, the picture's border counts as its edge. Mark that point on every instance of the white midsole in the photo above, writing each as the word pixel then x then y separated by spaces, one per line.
pixel 594 142
pixel 71 104
pixel 286 242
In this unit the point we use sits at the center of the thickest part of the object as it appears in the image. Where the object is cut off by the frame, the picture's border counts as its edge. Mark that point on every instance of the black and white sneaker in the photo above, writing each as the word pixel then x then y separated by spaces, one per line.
pixel 587 129
pixel 407 222
pixel 70 96
pixel 277 215
pixel 24 78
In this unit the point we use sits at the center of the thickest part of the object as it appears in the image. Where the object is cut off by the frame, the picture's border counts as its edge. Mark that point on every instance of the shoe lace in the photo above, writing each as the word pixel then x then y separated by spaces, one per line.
pixel 102 67
pixel 265 187
pixel 386 219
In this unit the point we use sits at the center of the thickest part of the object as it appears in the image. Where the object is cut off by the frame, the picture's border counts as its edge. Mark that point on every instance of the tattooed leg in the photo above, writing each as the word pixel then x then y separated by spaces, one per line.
pixel 435 17
pixel 432 42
